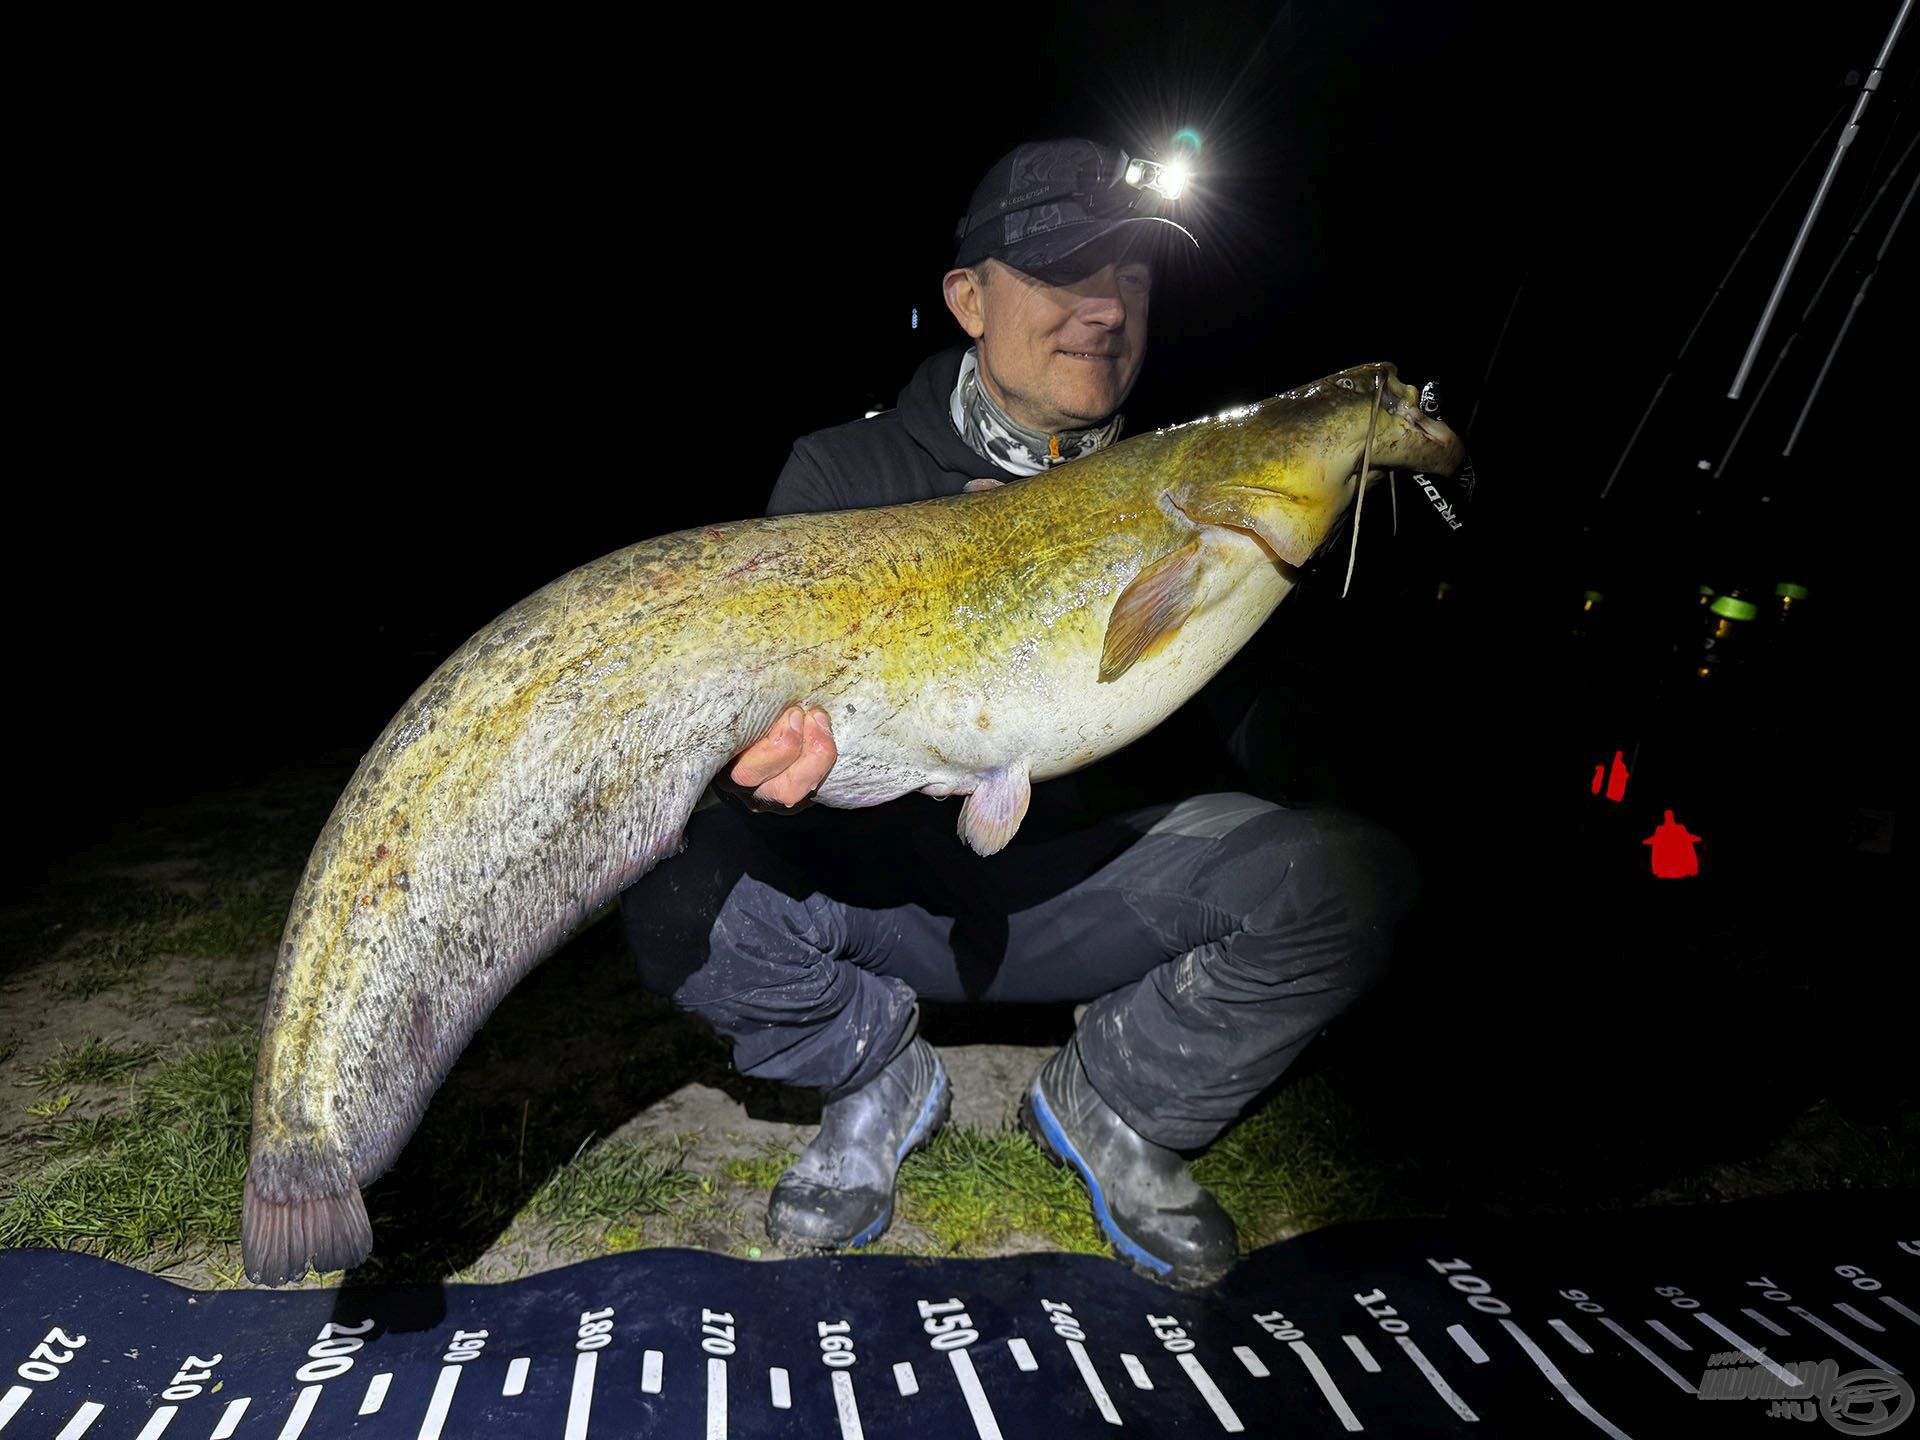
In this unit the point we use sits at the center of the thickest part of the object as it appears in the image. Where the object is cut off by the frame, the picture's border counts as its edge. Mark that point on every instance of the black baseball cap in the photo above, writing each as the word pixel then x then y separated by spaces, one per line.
pixel 1045 199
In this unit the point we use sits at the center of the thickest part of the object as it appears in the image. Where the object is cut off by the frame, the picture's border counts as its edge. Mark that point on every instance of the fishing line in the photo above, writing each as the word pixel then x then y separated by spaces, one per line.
pixel 1366 462
pixel 1741 254
pixel 1494 355
pixel 1852 311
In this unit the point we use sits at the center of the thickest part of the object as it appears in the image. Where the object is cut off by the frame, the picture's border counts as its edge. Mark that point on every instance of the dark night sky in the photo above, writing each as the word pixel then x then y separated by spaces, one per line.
pixel 360 347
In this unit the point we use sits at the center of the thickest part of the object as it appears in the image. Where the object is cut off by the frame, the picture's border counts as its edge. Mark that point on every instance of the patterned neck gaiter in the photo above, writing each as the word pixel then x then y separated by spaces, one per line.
pixel 1007 443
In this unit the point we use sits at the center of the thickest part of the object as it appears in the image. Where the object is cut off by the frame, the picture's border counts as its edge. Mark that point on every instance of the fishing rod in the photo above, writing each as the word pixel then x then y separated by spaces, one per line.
pixel 1852 129
pixel 1839 258
pixel 1680 355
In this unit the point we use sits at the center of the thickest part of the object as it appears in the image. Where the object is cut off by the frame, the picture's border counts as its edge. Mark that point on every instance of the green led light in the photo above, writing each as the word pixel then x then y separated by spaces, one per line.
pixel 1706 590
pixel 1593 597
pixel 1729 608
pixel 1787 590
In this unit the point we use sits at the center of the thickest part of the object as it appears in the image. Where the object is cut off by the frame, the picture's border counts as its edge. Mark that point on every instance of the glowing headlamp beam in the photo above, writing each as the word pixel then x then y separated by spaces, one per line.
pixel 1168 179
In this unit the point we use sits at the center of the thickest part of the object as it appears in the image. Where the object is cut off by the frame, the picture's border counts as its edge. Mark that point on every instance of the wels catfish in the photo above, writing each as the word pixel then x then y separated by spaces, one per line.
pixel 969 646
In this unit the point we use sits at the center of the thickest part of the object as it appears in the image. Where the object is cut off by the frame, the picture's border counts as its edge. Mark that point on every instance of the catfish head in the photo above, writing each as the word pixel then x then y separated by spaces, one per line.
pixel 1288 469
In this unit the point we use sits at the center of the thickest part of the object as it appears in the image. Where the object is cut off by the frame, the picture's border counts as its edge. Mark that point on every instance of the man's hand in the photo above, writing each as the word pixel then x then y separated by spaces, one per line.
pixel 790 761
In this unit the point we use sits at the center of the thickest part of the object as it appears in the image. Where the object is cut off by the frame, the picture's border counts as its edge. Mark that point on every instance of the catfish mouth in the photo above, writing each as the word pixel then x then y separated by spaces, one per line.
pixel 1432 427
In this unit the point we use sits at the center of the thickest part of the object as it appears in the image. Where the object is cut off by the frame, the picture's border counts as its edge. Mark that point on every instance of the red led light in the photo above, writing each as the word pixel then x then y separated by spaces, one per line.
pixel 1673 857
pixel 1617 779
pixel 1612 780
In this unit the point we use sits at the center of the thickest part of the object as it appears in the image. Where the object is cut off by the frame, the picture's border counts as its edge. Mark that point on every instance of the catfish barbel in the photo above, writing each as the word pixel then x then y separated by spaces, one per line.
pixel 968 645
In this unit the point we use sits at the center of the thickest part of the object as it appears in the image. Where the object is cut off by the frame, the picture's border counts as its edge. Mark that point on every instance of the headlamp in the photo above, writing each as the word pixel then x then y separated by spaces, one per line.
pixel 1045 199
pixel 1167 179
pixel 1114 185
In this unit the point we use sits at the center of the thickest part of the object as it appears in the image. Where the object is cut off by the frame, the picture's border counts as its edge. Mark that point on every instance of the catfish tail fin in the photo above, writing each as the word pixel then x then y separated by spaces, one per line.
pixel 319 1221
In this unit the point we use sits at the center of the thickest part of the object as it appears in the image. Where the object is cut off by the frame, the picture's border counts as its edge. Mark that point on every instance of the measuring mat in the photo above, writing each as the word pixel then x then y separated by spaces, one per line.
pixel 1697 1322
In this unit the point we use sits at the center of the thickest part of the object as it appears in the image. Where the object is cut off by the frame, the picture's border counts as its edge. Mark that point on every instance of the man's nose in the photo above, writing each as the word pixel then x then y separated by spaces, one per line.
pixel 1101 303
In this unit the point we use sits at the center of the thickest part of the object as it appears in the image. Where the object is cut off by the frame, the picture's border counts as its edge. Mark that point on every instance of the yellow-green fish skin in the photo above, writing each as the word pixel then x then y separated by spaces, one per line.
pixel 556 756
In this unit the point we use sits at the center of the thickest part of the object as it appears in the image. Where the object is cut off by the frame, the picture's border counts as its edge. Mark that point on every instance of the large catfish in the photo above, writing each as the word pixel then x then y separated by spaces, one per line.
pixel 963 646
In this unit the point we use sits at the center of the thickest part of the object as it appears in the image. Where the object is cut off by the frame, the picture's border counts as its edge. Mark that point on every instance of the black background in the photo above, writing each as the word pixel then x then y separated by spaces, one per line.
pixel 353 336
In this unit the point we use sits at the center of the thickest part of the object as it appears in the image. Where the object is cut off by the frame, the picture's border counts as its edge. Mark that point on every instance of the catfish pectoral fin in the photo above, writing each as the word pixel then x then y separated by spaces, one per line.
pixel 1151 610
pixel 279 1239
pixel 991 815
pixel 1287 529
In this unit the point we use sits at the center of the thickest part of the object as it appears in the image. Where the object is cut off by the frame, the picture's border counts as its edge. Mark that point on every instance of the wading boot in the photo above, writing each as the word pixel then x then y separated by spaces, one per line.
pixel 839 1194
pixel 1156 1215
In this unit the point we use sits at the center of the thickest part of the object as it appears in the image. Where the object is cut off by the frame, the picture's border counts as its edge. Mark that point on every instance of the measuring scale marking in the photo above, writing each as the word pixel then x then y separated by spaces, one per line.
pixel 1784 1376
pixel 1468 1345
pixel 1764 1323
pixel 516 1382
pixel 1866 1320
pixel 1665 1334
pixel 1210 1392
pixel 1552 1372
pixel 1329 1390
pixel 230 1421
pixel 1091 1378
pixel 1639 1348
pixel 716 1398
pixel 580 1401
pixel 1621 1393
pixel 11 1402
pixel 82 1421
pixel 977 1406
pixel 1434 1378
pixel 845 1407
pixel 302 1409
pixel 1860 1350
pixel 376 1395
pixel 1567 1333
pixel 441 1402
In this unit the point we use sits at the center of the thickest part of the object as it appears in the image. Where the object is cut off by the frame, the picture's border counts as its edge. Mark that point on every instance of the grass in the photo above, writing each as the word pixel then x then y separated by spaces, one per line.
pixel 235 919
pixel 761 1170
pixel 604 1193
pixel 211 994
pixel 160 1178
pixel 92 1062
pixel 971 1188
pixel 1296 1164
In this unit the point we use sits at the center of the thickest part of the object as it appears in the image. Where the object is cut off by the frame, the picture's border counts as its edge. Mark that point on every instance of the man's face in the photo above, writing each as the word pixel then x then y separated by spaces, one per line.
pixel 1060 350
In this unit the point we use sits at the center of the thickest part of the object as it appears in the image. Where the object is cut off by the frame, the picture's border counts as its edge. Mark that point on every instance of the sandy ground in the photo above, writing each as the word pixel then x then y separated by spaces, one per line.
pixel 581 1026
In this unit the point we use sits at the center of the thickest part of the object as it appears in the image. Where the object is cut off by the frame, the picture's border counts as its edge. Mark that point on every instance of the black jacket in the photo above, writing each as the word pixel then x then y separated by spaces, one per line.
pixel 908 453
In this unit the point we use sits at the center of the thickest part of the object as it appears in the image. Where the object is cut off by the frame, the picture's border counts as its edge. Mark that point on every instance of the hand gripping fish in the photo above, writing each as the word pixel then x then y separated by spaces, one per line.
pixel 968 646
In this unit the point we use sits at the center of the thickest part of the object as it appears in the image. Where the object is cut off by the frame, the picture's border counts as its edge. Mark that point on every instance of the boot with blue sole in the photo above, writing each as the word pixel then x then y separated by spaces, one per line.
pixel 839 1194
pixel 1157 1217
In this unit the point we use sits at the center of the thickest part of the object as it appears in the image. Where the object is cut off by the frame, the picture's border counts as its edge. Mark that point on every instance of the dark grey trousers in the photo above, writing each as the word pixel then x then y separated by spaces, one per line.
pixel 1214 938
